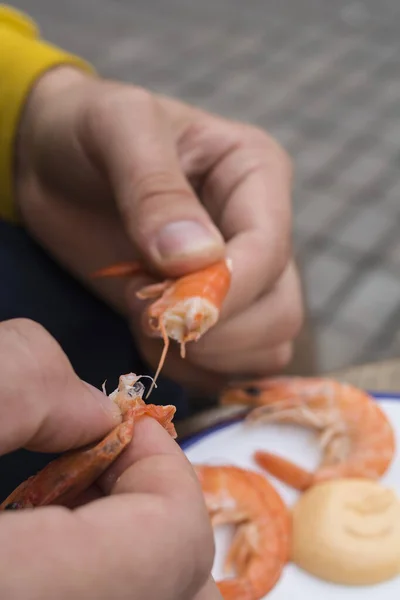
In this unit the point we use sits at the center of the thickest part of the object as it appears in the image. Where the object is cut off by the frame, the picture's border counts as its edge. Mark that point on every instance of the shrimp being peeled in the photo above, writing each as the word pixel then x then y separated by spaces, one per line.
pixel 356 436
pixel 63 479
pixel 185 308
pixel 261 546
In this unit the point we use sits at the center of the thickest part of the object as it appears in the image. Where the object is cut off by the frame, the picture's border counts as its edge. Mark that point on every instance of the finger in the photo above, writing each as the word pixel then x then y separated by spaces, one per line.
pixel 43 404
pixel 166 222
pixel 261 361
pixel 152 467
pixel 247 191
pixel 273 319
pixel 112 547
pixel 257 339
pixel 209 591
pixel 277 311
pixel 150 449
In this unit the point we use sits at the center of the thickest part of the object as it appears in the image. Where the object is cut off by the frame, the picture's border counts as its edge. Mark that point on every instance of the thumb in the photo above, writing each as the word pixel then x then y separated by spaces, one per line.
pixel 44 406
pixel 163 217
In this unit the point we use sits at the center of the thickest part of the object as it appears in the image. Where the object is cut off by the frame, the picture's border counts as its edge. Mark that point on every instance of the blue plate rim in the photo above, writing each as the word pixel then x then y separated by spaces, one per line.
pixel 188 441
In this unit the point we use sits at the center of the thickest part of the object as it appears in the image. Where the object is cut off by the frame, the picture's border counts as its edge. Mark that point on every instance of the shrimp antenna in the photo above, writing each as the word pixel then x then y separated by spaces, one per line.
pixel 162 358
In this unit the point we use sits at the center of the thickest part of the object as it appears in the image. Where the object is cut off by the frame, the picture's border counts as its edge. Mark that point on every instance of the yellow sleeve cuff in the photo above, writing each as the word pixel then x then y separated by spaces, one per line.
pixel 24 57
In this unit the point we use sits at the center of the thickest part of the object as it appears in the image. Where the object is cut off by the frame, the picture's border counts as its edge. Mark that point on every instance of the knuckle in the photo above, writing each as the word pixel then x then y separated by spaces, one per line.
pixel 105 108
pixel 141 97
pixel 258 140
pixel 202 531
pixel 292 317
pixel 295 319
pixel 204 552
pixel 198 533
pixel 284 160
pixel 29 347
pixel 280 154
pixel 156 188
pixel 281 254
pixel 263 141
pixel 22 336
pixel 290 302
pixel 281 356
pixel 21 328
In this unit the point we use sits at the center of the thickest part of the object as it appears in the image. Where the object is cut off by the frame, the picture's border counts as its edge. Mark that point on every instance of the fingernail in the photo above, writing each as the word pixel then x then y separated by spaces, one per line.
pixel 186 238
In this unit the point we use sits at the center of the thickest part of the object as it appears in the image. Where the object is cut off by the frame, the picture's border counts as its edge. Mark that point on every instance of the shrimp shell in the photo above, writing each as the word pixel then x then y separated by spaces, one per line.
pixel 261 545
pixel 356 436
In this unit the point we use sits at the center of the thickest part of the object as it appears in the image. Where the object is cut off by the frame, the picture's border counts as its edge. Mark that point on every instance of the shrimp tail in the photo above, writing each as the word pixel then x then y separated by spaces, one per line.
pixel 236 589
pixel 123 269
pixel 284 470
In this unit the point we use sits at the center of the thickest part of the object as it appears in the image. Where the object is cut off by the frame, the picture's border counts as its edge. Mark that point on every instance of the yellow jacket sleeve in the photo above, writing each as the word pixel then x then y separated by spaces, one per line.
pixel 24 57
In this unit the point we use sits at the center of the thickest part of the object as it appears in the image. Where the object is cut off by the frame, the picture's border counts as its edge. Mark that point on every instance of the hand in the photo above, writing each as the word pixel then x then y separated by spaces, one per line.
pixel 107 172
pixel 144 534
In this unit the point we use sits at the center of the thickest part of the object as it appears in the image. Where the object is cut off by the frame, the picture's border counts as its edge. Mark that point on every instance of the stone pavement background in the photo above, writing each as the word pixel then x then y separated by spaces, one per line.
pixel 324 78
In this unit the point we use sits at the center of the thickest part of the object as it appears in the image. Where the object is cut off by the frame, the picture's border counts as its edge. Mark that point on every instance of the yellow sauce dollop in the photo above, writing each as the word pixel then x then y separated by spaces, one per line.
pixel 347 531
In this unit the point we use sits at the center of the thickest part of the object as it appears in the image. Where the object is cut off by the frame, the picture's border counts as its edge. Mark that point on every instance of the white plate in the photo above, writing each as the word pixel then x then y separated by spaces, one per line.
pixel 232 443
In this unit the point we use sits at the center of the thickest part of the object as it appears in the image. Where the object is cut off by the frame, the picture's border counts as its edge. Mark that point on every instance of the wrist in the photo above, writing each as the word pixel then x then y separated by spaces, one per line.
pixel 43 98
pixel 51 84
pixel 24 57
pixel 42 105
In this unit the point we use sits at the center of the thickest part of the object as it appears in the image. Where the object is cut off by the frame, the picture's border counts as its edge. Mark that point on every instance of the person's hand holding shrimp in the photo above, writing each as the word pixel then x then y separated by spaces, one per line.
pixel 141 532
pixel 108 172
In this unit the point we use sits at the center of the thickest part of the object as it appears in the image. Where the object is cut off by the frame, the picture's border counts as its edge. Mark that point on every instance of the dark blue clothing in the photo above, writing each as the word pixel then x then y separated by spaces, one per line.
pixel 96 340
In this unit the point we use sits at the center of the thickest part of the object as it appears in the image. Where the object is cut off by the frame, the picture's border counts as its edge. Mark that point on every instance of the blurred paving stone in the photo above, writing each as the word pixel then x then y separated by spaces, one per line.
pixel 324 78
pixel 337 348
pixel 371 302
pixel 319 211
pixel 365 230
pixel 323 275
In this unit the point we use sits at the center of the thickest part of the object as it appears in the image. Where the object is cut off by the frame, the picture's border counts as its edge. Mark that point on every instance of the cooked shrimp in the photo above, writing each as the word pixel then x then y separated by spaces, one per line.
pixel 261 545
pixel 355 434
pixel 185 308
pixel 63 479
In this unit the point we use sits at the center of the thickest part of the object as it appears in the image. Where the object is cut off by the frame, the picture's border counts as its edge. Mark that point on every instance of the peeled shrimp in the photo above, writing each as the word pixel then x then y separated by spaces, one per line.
pixel 356 436
pixel 261 545
pixel 185 308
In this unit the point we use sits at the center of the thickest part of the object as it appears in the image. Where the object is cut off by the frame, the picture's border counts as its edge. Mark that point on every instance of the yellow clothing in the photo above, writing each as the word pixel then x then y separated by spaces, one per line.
pixel 24 57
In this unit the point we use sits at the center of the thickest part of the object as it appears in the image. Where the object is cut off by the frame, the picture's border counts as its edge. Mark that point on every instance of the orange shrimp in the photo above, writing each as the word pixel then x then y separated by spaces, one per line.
pixel 63 479
pixel 261 545
pixel 356 436
pixel 185 308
